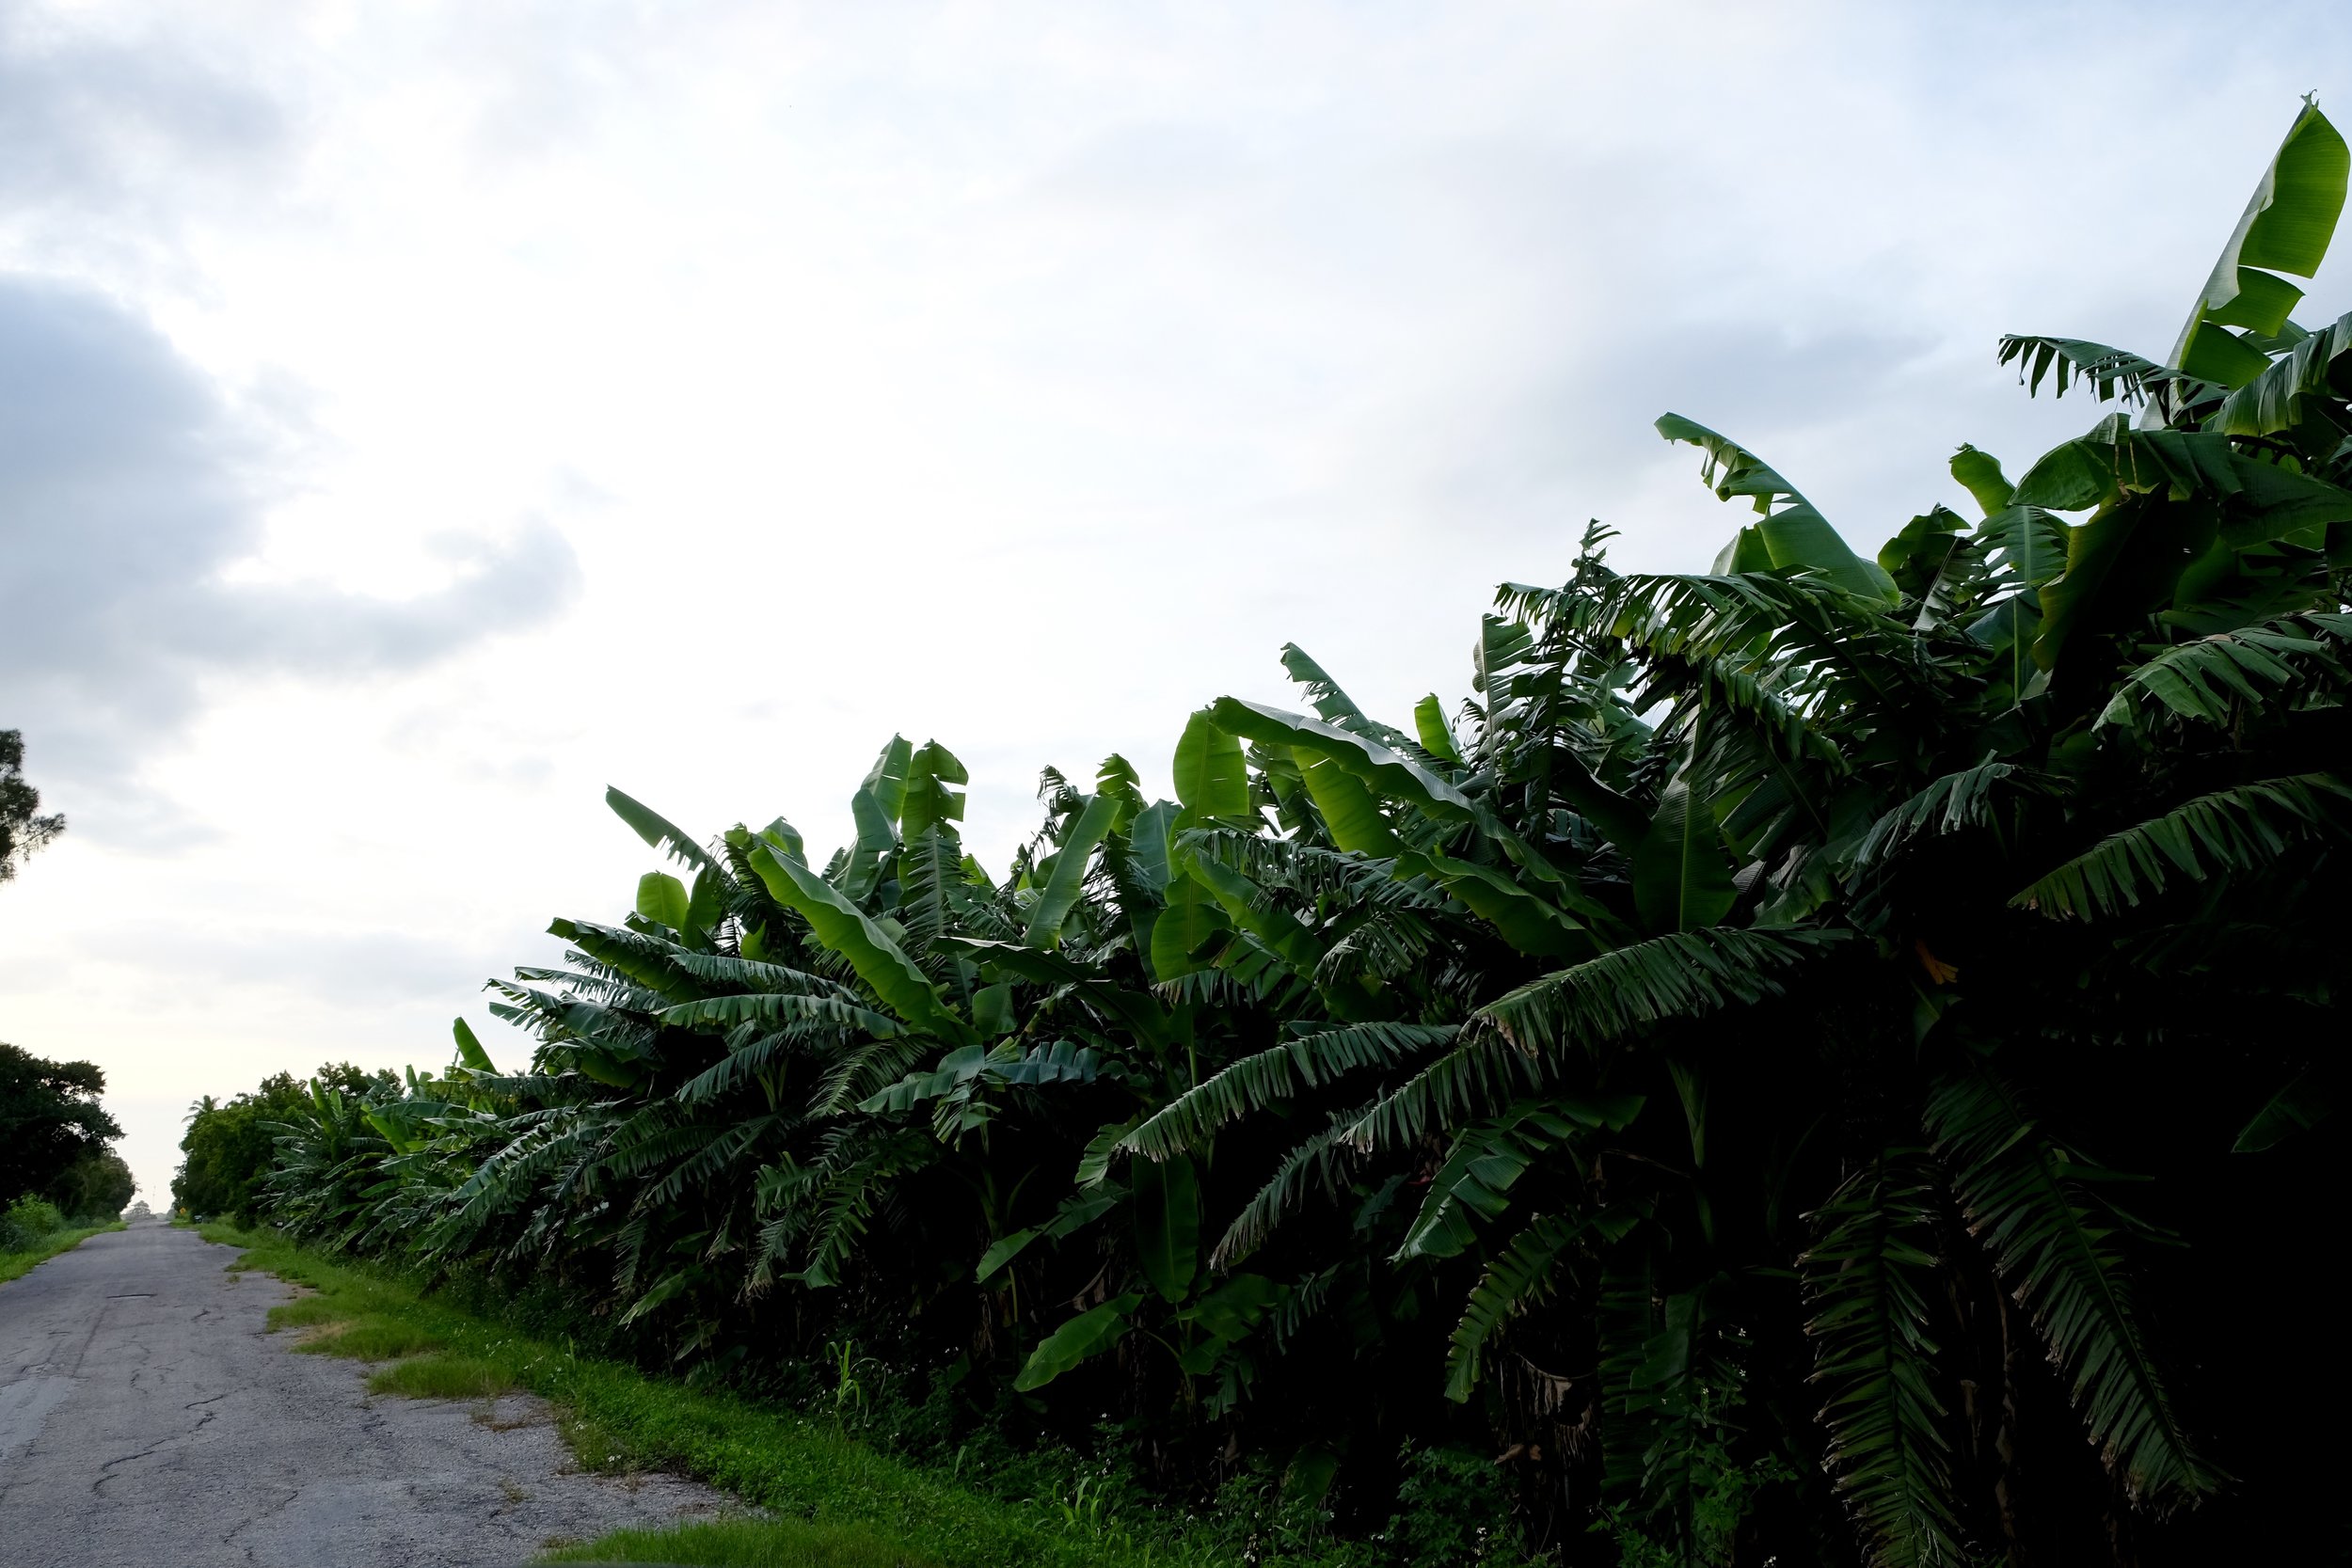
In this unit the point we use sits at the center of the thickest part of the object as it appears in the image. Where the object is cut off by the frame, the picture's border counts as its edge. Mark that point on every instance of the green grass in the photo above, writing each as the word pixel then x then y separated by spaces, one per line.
pixel 830 1500
pixel 750 1543
pixel 310 1311
pixel 15 1265
pixel 443 1375
pixel 371 1336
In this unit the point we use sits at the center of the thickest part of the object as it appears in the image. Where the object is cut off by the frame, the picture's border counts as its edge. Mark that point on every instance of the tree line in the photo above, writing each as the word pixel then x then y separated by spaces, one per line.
pixel 55 1142
pixel 1823 1059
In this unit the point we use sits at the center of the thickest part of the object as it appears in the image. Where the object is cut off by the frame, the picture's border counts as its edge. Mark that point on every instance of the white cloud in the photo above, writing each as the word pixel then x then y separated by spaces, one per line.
pixel 128 498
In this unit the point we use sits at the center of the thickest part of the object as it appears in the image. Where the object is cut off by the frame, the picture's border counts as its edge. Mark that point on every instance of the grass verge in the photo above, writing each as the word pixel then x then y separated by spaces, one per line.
pixel 830 1500
pixel 747 1544
pixel 443 1375
pixel 15 1265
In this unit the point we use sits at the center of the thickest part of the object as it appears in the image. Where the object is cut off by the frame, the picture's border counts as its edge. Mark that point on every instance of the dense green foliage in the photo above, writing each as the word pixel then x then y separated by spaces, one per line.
pixel 230 1145
pixel 22 829
pixel 54 1136
pixel 26 1222
pixel 1700 1071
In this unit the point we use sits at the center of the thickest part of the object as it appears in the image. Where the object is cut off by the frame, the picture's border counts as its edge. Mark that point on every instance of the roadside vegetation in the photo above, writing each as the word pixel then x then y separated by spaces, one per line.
pixel 834 1497
pixel 229 1144
pixel 1808 1063
pixel 32 1231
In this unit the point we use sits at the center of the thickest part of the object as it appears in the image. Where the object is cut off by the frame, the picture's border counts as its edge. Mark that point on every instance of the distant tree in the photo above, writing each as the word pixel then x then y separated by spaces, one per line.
pixel 22 831
pixel 229 1145
pixel 95 1187
pixel 50 1119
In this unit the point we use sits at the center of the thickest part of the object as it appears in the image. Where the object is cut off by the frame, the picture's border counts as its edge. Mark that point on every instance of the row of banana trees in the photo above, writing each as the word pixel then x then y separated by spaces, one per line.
pixel 1704 1068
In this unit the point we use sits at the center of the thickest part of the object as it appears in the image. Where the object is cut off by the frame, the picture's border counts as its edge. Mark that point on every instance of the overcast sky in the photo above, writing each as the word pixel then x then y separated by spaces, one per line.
pixel 415 418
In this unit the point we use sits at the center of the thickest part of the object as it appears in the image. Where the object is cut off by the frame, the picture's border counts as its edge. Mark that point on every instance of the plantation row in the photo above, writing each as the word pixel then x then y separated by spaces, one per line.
pixel 1699 1072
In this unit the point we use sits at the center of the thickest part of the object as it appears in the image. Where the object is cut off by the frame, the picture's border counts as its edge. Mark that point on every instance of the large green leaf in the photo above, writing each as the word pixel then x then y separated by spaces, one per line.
pixel 708 904
pixel 2237 830
pixel 2026 1199
pixel 1980 474
pixel 846 930
pixel 1078 1211
pixel 2135 477
pixel 1140 1011
pixel 2207 679
pixel 1497 657
pixel 875 810
pixel 1235 1309
pixel 1484 1163
pixel 2295 1109
pixel 1268 1078
pixel 1168 1223
pixel 1388 772
pixel 469 1050
pixel 1870 1276
pixel 2286 228
pixel 931 801
pixel 774 1007
pixel 1927 558
pixel 885 782
pixel 1211 780
pixel 2109 372
pixel 1060 893
pixel 1522 917
pixel 2094 549
pixel 655 829
pixel 1271 923
pixel 1090 1333
pixel 1191 916
pixel 1150 837
pixel 661 899
pixel 2275 401
pixel 1349 811
pixel 1434 734
pixel 1796 537
pixel 1620 819
pixel 1029 963
pixel 1680 975
pixel 1330 701
pixel 1523 1276
pixel 1681 872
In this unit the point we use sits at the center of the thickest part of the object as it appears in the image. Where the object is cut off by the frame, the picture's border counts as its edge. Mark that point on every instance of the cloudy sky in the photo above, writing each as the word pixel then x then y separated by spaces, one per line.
pixel 415 418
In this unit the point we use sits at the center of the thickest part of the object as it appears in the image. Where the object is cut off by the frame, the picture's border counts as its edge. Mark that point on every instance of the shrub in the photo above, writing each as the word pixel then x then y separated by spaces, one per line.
pixel 24 1223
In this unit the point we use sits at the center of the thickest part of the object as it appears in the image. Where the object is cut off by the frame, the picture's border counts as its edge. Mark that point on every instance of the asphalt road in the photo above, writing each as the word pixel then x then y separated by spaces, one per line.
pixel 147 1418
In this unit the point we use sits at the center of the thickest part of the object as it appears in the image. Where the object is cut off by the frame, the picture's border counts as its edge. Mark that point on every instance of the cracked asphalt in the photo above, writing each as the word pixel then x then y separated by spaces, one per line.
pixel 148 1419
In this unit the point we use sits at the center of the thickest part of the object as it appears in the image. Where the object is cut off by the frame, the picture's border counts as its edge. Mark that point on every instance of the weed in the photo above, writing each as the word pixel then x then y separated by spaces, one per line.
pixel 851 1369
